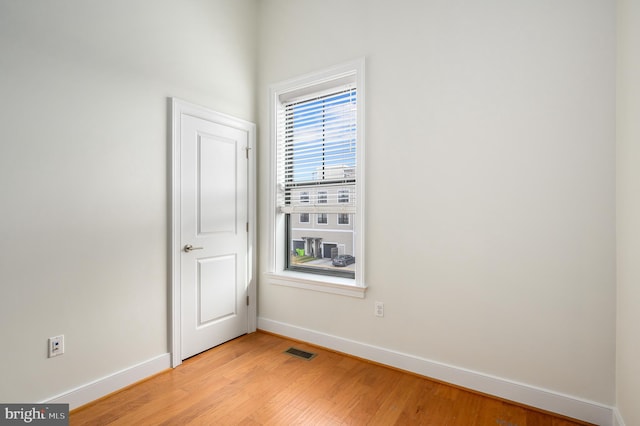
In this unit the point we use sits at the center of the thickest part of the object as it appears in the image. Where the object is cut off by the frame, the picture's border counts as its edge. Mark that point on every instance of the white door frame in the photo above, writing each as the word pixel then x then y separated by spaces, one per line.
pixel 178 108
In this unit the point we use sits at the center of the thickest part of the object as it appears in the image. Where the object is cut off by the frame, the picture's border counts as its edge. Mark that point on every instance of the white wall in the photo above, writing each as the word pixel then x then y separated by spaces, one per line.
pixel 628 212
pixel 490 181
pixel 500 114
pixel 83 166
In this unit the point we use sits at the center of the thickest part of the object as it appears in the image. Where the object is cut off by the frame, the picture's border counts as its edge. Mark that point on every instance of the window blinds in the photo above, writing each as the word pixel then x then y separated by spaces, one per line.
pixel 317 153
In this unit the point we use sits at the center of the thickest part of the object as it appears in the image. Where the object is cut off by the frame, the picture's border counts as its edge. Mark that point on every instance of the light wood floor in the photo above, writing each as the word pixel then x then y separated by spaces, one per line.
pixel 250 381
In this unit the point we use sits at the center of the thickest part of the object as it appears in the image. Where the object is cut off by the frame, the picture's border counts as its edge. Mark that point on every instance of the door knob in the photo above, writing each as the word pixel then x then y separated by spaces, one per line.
pixel 189 248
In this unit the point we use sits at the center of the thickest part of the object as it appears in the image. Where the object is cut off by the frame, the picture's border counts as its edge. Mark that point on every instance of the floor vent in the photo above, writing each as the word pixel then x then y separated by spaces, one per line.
pixel 300 353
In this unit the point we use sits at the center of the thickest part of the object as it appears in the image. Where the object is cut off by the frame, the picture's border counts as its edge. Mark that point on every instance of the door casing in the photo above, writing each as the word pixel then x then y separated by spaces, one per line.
pixel 178 108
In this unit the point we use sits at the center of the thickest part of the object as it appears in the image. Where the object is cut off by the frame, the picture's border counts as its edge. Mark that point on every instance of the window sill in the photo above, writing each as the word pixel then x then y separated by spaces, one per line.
pixel 325 284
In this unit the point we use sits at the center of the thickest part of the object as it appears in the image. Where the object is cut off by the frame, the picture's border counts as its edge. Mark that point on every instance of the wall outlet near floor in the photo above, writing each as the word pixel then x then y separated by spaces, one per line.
pixel 379 309
pixel 56 346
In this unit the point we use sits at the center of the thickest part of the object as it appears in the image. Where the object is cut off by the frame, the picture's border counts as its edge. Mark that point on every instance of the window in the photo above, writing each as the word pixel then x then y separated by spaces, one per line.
pixel 317 143
pixel 318 150
pixel 322 219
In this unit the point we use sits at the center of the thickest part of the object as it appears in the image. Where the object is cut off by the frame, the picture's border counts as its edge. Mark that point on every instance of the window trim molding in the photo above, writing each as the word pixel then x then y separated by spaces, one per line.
pixel 325 215
pixel 341 198
pixel 276 274
pixel 343 224
pixel 322 197
pixel 321 283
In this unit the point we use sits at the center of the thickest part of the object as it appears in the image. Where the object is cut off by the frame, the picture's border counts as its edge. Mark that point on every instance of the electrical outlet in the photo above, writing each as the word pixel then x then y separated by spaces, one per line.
pixel 379 309
pixel 56 346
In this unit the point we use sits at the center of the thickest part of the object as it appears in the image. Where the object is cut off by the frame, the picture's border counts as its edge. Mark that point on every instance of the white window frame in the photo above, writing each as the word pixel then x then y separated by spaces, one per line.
pixel 322 197
pixel 277 275
pixel 343 224
pixel 341 197
pixel 324 215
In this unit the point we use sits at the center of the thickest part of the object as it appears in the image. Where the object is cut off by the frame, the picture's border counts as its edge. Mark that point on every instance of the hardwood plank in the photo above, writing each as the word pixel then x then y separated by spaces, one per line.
pixel 251 381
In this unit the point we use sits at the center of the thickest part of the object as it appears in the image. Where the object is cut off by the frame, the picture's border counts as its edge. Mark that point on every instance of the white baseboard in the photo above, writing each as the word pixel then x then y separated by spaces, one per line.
pixel 543 399
pixel 106 385
pixel 617 418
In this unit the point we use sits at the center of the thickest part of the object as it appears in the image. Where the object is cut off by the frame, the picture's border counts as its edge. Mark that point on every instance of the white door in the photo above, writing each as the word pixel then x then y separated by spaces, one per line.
pixel 213 236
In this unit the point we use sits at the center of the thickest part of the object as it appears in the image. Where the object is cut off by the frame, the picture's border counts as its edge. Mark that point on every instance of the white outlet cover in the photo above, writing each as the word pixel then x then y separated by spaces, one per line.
pixel 56 346
pixel 379 309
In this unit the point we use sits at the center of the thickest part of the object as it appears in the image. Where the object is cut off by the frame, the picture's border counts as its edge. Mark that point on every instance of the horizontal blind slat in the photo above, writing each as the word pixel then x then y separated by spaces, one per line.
pixel 350 209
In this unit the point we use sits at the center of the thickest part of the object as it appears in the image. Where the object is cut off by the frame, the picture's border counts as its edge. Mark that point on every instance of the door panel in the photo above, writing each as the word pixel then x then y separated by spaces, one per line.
pixel 217 187
pixel 216 283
